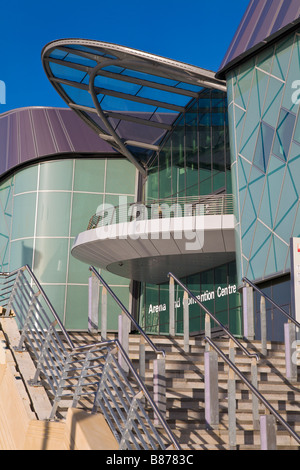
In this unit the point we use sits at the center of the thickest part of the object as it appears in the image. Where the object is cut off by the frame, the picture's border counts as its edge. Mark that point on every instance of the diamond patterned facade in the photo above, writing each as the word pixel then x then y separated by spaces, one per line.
pixel 263 104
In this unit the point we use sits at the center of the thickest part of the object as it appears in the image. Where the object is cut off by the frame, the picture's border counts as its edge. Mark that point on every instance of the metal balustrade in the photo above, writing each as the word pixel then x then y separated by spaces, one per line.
pixel 82 375
pixel 290 327
pixel 267 422
pixel 218 204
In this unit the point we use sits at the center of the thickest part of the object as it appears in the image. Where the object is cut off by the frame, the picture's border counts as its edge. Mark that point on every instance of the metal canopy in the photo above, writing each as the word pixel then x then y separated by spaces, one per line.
pixel 129 97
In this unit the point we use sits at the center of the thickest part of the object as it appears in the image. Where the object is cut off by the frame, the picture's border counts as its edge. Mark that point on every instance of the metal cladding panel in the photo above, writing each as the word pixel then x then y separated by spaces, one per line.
pixel 262 20
pixel 33 133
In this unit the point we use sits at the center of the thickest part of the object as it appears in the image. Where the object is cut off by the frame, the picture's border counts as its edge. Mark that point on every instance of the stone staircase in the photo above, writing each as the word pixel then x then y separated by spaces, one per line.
pixel 185 394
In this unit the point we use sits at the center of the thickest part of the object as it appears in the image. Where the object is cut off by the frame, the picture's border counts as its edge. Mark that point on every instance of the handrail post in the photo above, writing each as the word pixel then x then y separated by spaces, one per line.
pixel 159 385
pixel 104 313
pixel 171 307
pixel 211 389
pixel 268 432
pixel 263 326
pixel 232 399
pixel 142 358
pixel 123 336
pixel 207 330
pixel 186 322
pixel 248 312
pixel 255 402
pixel 290 351
pixel 93 306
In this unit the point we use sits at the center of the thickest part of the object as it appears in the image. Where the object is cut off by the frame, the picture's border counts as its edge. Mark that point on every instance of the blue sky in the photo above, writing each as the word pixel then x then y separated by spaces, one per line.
pixel 193 31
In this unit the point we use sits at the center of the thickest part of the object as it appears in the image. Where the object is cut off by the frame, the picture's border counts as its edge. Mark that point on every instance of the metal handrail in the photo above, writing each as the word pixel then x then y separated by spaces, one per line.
pixel 216 204
pixel 64 367
pixel 145 391
pixel 293 320
pixel 45 297
pixel 223 327
pixel 129 316
pixel 254 390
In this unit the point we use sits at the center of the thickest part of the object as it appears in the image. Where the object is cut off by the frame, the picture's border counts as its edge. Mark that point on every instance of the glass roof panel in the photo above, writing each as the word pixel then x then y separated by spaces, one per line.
pixel 164 96
pixel 67 73
pixel 116 85
pixel 78 96
pixel 150 77
pixel 77 59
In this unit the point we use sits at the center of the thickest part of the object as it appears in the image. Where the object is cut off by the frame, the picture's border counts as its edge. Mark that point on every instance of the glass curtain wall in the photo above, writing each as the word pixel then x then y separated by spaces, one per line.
pixel 194 161
pixel 215 288
pixel 195 158
pixel 43 208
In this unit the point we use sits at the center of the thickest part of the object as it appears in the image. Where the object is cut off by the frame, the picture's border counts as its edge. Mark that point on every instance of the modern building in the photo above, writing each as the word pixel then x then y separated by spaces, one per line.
pixel 262 72
pixel 169 119
pixel 159 166
pixel 54 170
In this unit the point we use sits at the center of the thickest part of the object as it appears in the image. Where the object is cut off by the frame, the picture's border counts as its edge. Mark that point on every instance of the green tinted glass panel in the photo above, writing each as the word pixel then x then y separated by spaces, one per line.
pixel 56 175
pixel 21 253
pixel 84 205
pixel 89 175
pixel 120 177
pixel 53 216
pixel 23 216
pixel 50 259
pixel 26 180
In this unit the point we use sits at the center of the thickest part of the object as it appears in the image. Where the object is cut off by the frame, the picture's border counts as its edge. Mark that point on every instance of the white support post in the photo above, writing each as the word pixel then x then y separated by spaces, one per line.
pixel 159 385
pixel 263 326
pixel 104 314
pixel 248 312
pixel 186 322
pixel 93 306
pixel 232 399
pixel 268 432
pixel 171 307
pixel 211 389
pixel 290 351
pixel 123 336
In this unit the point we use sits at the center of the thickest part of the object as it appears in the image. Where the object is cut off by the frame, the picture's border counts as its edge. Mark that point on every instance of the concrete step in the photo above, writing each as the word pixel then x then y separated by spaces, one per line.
pixel 185 394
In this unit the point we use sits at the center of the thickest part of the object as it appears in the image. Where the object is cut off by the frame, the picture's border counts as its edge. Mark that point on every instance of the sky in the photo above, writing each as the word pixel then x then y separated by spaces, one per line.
pixel 197 32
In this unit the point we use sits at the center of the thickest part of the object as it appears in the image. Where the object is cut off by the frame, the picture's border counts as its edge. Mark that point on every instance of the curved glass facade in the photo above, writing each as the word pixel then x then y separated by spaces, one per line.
pixel 43 208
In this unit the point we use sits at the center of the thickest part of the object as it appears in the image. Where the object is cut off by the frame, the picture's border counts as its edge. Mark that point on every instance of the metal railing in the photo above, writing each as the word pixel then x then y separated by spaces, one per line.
pixel 208 317
pixel 268 433
pixel 124 406
pixel 80 374
pixel 219 204
pixel 126 312
pixel 290 328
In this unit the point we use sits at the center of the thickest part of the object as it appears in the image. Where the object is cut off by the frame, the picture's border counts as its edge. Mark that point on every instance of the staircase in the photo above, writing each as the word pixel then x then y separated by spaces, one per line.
pixel 185 394
pixel 101 372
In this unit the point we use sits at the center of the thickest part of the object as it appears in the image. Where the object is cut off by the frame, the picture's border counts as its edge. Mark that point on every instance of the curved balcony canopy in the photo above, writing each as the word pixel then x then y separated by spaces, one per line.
pixel 145 241
pixel 129 97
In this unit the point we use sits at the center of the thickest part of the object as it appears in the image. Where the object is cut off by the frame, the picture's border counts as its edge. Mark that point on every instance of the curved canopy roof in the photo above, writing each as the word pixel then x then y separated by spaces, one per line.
pixel 131 98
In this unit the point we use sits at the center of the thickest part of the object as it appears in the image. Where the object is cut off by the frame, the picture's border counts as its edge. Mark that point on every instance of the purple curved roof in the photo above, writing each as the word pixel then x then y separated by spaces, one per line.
pixel 263 20
pixel 30 134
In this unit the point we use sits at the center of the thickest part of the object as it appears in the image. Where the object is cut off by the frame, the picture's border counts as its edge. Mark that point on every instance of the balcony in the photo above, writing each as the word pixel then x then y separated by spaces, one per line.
pixel 144 241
